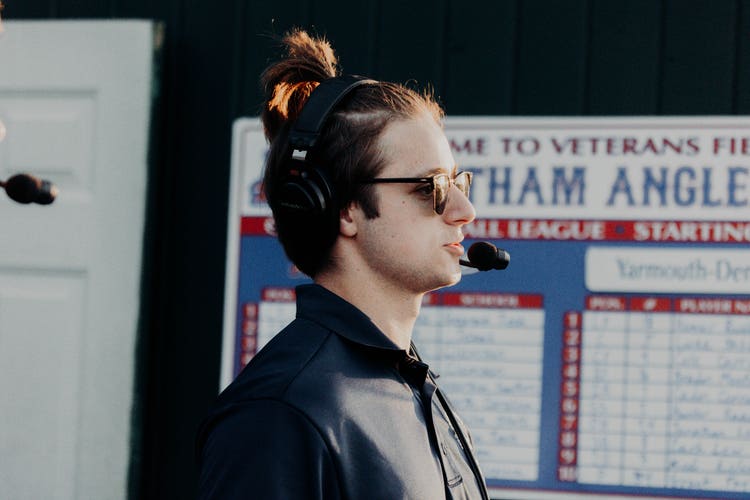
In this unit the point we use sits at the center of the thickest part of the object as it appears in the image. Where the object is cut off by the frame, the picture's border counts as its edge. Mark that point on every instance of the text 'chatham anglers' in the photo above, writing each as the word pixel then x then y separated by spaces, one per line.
pixel 608 172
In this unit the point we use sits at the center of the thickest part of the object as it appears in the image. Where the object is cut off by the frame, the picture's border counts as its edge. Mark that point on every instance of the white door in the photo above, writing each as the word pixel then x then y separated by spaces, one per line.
pixel 75 101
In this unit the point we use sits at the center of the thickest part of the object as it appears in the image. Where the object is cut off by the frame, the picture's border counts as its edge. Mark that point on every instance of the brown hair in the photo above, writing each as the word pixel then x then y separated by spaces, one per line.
pixel 348 146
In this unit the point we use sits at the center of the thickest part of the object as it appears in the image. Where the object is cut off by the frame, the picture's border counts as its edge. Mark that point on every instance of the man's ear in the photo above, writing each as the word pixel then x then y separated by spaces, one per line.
pixel 348 220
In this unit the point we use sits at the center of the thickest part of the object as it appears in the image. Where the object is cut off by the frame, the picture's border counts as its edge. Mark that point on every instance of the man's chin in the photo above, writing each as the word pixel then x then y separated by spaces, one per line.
pixel 448 281
pixel 456 278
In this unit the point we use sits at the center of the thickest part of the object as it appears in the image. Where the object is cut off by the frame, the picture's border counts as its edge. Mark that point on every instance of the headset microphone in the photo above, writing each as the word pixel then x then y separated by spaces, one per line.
pixel 25 188
pixel 484 256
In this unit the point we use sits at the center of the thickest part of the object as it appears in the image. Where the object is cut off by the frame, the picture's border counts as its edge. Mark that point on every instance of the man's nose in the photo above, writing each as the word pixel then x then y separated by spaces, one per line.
pixel 459 209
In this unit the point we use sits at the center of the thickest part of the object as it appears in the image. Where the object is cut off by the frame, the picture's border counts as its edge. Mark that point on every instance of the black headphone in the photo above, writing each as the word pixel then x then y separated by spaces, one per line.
pixel 305 190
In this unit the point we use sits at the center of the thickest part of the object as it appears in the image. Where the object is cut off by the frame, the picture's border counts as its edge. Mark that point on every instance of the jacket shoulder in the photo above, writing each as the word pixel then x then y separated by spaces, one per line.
pixel 268 448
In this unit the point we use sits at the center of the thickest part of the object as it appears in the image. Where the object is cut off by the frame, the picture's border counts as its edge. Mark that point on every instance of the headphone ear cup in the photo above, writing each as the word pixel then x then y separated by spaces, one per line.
pixel 308 201
pixel 306 192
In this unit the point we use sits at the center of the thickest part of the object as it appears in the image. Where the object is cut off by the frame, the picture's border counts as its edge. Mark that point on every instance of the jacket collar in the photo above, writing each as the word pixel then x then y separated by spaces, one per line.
pixel 320 305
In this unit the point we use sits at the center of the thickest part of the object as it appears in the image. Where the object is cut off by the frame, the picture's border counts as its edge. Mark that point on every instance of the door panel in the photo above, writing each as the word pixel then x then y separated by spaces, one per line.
pixel 75 99
pixel 40 365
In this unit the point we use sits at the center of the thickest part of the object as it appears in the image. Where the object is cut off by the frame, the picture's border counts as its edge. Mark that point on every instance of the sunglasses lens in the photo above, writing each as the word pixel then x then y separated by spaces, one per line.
pixel 442 184
pixel 463 182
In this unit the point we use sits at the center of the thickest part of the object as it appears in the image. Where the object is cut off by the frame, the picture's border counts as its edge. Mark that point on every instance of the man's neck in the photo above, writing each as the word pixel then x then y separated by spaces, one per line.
pixel 393 310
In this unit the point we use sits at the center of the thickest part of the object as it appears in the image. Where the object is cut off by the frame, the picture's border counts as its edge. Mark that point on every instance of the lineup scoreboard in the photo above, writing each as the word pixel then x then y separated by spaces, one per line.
pixel 611 359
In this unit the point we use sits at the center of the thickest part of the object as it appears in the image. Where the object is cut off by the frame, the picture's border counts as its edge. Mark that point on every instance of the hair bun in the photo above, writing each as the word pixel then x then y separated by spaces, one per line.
pixel 288 83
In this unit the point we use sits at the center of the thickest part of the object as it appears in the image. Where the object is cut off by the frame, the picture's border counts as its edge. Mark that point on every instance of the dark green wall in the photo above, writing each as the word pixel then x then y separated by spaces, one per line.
pixel 492 57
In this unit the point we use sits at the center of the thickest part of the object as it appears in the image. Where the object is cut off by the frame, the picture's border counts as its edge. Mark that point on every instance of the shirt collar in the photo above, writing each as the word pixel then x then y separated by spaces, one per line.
pixel 320 305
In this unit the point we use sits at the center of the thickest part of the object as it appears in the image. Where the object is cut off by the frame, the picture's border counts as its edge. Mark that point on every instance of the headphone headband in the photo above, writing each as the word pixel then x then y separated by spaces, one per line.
pixel 317 109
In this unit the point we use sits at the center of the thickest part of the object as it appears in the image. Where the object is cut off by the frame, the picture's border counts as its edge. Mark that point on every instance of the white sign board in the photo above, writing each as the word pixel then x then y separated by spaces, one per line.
pixel 612 357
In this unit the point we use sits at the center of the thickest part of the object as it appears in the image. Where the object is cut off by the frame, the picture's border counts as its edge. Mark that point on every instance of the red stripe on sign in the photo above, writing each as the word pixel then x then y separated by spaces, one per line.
pixel 276 294
pixel 497 300
pixel 257 226
pixel 431 299
pixel 741 306
pixel 712 305
pixel 686 305
pixel 610 230
pixel 605 303
pixel 576 230
pixel 650 304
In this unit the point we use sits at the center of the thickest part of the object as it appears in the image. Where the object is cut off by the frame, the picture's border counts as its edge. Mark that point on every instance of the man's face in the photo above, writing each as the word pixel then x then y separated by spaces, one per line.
pixel 409 246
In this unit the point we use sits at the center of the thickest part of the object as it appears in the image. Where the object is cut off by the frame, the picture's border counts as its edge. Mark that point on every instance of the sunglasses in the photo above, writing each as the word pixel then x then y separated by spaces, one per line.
pixel 440 185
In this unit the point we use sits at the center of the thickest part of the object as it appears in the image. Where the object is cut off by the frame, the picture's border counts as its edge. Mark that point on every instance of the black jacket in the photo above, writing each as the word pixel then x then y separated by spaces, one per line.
pixel 331 409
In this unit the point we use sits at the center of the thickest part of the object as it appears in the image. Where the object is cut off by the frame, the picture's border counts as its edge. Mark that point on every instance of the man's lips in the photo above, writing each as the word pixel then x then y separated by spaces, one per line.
pixel 455 248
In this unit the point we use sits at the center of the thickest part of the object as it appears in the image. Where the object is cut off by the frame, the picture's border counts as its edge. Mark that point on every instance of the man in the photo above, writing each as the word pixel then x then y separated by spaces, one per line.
pixel 367 201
